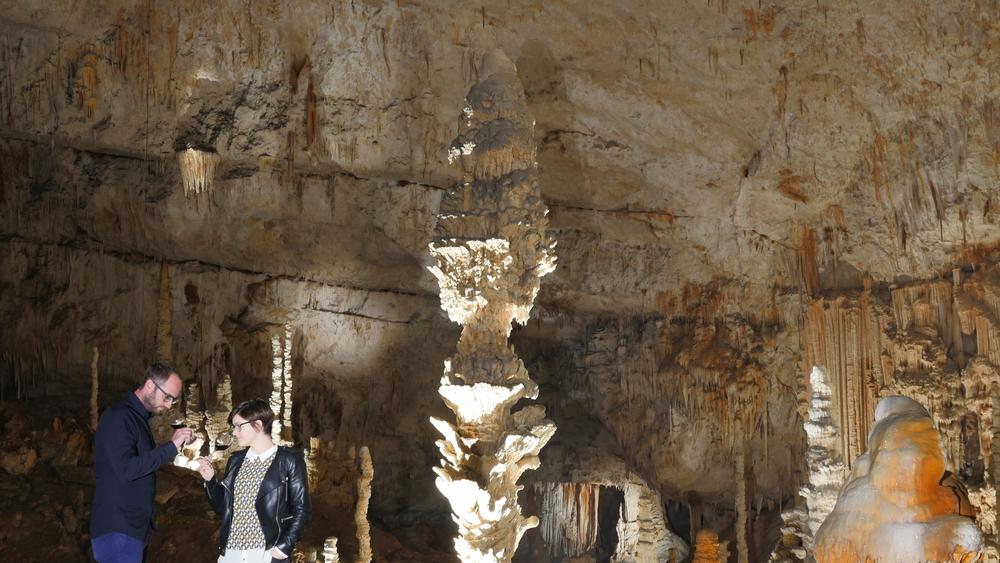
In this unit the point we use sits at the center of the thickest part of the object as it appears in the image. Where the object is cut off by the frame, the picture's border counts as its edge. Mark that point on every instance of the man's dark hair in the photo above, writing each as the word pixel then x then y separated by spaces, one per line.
pixel 254 409
pixel 159 373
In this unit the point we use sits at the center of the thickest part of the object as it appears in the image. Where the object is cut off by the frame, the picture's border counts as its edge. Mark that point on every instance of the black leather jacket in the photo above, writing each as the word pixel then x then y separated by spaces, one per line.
pixel 282 500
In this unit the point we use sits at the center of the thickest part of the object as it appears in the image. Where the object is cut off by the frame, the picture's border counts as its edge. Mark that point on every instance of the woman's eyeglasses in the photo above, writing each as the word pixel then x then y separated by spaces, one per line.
pixel 237 427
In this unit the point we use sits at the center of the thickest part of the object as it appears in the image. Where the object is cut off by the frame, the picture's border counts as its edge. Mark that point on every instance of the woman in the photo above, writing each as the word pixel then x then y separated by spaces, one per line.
pixel 263 499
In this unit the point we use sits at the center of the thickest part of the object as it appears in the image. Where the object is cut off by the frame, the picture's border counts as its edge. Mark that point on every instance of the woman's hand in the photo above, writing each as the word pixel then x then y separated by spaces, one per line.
pixel 205 468
pixel 277 554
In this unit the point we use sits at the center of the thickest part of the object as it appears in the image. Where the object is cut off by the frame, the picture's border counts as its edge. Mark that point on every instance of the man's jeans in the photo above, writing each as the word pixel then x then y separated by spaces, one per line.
pixel 117 548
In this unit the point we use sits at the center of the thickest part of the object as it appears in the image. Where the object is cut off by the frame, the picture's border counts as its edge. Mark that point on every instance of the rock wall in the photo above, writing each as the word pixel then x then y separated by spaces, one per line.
pixel 738 192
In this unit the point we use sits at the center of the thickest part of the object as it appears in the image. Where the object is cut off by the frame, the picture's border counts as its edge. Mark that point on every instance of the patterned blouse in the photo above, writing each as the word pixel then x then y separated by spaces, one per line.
pixel 246 532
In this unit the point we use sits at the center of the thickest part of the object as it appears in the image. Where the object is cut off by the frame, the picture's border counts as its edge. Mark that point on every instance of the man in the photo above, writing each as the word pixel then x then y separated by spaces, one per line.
pixel 125 461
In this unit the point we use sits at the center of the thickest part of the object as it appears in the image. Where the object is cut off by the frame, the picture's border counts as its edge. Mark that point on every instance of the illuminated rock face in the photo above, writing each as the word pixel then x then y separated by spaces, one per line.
pixel 894 507
pixel 491 251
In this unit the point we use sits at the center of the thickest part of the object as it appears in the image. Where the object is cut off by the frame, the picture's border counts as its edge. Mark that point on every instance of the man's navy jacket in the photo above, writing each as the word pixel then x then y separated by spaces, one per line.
pixel 125 462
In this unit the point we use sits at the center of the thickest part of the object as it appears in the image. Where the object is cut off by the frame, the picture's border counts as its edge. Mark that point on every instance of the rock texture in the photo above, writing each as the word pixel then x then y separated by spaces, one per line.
pixel 738 191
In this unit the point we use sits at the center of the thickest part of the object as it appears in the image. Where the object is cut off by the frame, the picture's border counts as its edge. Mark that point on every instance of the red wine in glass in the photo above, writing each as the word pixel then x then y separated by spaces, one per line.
pixel 223 441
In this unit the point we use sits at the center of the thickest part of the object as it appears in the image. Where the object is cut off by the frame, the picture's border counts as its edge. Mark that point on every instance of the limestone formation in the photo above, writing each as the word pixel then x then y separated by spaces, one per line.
pixel 197 170
pixel 281 385
pixel 217 418
pixel 894 507
pixel 826 469
pixel 491 251
pixel 739 191
pixel 361 511
pixel 706 547
pixel 330 554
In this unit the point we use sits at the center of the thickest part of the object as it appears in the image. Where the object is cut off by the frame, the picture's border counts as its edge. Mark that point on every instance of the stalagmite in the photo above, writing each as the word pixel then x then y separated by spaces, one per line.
pixel 217 418
pixel 194 418
pixel 279 377
pixel 741 497
pixel 361 510
pixel 93 388
pixel 656 542
pixel 894 508
pixel 197 170
pixel 706 547
pixel 164 324
pixel 286 395
pixel 330 554
pixel 826 467
pixel 491 249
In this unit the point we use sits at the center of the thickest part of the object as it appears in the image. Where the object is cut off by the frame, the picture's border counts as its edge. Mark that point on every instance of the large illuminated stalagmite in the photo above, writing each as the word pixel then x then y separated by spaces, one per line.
pixel 491 249
pixel 894 507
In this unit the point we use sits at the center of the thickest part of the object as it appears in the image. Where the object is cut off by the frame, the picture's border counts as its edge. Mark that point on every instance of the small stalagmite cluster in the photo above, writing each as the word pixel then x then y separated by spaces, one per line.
pixel 897 505
pixel 491 250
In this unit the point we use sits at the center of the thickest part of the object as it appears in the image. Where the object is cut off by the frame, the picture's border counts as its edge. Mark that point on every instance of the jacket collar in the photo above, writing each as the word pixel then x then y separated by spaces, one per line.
pixel 271 479
pixel 264 455
pixel 135 404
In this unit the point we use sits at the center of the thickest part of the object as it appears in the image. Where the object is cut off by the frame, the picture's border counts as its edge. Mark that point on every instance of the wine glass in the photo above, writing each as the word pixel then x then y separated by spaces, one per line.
pixel 223 441
pixel 177 422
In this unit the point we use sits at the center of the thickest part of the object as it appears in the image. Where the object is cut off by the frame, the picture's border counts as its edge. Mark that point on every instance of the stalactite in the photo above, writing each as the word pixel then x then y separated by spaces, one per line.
pixel 361 510
pixel 846 338
pixel 808 260
pixel 568 515
pixel 491 249
pixel 197 170
pixel 310 113
pixel 93 388
pixel 164 324
pixel 86 80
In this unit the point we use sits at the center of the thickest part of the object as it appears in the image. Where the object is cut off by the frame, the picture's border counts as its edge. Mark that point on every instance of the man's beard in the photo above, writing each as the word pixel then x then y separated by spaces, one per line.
pixel 149 401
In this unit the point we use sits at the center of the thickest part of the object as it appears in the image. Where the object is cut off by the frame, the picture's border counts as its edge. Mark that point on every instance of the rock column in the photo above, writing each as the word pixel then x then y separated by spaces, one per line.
pixel 491 250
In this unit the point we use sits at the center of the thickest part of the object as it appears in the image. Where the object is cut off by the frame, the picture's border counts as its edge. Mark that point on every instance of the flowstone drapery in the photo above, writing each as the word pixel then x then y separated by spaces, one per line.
pixel 491 250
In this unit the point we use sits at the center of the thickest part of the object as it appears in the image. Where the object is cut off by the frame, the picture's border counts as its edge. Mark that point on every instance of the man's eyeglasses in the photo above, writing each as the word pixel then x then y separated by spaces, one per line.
pixel 237 427
pixel 170 398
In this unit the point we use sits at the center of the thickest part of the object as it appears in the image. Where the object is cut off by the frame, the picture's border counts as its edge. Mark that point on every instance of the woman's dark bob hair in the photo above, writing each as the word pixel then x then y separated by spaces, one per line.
pixel 254 409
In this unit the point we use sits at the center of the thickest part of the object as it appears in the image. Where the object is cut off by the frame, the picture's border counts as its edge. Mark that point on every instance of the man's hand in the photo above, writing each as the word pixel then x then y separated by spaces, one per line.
pixel 181 435
pixel 205 468
pixel 277 554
